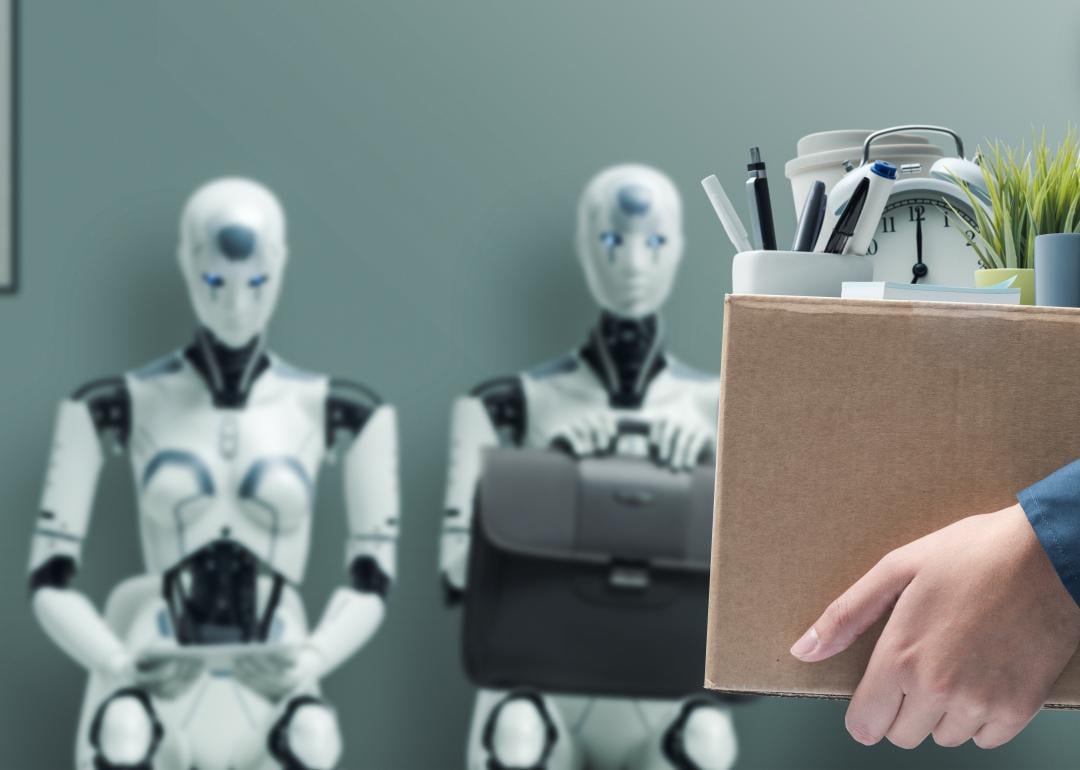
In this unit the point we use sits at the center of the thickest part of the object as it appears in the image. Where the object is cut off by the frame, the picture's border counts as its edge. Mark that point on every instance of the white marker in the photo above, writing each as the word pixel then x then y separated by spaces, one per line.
pixel 733 226
pixel 882 177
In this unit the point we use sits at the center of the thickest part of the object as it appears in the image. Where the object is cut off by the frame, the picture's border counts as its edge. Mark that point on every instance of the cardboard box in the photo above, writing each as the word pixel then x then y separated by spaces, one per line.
pixel 851 427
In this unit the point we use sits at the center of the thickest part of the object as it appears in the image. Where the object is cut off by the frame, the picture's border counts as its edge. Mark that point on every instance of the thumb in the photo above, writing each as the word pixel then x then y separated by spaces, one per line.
pixel 855 610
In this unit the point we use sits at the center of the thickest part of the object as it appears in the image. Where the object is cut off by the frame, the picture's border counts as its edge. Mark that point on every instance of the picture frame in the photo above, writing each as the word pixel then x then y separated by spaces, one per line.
pixel 9 258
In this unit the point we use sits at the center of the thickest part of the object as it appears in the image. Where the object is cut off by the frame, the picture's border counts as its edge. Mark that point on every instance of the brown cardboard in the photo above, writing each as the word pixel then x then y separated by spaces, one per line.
pixel 851 427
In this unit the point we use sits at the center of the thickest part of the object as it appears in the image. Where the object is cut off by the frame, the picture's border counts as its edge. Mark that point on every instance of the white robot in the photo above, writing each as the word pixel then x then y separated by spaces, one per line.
pixel 207 661
pixel 630 243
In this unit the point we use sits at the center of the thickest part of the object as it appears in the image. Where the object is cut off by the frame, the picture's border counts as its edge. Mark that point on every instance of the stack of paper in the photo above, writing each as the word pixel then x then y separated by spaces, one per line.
pixel 991 295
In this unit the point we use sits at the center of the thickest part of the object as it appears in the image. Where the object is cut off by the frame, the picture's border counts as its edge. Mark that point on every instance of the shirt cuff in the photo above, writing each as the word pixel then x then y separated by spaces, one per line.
pixel 1053 508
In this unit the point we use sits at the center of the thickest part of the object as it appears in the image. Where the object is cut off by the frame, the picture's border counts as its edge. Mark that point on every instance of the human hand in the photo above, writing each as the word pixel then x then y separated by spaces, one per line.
pixel 981 627
pixel 277 674
pixel 679 443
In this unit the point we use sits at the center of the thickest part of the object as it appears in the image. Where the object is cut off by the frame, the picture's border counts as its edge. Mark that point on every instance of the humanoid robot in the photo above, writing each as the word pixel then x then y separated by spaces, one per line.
pixel 207 661
pixel 630 243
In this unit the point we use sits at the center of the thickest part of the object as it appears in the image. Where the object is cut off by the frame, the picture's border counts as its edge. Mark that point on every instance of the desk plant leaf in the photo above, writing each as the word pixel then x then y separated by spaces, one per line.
pixel 1031 193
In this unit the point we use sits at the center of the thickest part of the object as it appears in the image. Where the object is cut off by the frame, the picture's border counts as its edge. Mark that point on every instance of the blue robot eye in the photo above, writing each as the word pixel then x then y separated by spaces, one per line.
pixel 655 241
pixel 258 280
pixel 213 280
pixel 610 239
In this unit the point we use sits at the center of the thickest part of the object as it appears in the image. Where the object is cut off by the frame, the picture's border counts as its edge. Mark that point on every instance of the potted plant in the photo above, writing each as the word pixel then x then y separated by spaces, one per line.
pixel 1030 231
pixel 1055 217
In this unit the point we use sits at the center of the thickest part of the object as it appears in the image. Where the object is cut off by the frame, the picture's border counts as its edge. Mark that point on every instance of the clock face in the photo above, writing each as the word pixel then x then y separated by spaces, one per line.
pixel 920 239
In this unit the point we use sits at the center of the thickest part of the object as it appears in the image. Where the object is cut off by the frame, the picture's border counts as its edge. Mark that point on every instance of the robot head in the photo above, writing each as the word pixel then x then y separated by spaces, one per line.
pixel 232 254
pixel 630 239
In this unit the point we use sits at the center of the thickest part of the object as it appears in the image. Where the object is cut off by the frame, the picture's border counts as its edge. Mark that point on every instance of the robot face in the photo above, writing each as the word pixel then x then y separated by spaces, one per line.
pixel 630 239
pixel 232 254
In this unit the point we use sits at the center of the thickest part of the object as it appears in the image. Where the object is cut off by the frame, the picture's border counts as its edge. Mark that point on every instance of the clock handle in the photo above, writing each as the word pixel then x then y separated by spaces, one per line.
pixel 900 129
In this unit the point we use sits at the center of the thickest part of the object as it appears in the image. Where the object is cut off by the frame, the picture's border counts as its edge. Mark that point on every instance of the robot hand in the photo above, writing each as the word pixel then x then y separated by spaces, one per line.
pixel 679 443
pixel 167 678
pixel 585 435
pixel 278 674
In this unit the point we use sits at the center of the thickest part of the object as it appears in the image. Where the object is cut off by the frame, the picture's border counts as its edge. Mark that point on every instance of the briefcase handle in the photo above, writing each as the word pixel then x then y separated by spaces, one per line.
pixel 628 426
pixel 624 427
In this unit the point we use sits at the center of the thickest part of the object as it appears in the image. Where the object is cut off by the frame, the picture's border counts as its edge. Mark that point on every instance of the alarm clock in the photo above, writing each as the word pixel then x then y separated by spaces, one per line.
pixel 927 225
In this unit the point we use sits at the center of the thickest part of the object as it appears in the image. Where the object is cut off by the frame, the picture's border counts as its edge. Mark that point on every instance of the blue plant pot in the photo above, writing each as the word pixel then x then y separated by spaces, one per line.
pixel 1057 270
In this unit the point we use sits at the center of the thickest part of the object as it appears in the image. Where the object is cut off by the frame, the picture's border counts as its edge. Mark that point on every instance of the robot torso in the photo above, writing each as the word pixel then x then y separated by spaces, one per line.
pixel 205 473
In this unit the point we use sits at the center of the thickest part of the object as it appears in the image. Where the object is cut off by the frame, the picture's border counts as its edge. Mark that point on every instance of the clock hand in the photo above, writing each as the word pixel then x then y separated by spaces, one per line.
pixel 918 269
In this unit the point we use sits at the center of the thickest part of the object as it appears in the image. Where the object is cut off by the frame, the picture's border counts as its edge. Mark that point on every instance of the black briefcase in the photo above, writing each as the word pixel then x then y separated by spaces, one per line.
pixel 588 576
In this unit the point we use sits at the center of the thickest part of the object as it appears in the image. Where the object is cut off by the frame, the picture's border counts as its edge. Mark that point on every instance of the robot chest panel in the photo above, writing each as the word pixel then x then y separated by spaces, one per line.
pixel 256 465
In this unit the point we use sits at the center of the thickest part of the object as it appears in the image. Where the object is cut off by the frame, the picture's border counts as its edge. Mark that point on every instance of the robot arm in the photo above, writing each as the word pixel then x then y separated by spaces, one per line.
pixel 492 415
pixel 372 502
pixel 99 411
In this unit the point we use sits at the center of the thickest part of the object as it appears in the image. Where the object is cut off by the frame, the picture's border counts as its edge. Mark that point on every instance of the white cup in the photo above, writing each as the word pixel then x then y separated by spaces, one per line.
pixel 822 156
pixel 797 273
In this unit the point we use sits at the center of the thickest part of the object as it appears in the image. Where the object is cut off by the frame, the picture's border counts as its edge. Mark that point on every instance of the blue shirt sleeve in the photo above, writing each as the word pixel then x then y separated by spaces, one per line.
pixel 1053 508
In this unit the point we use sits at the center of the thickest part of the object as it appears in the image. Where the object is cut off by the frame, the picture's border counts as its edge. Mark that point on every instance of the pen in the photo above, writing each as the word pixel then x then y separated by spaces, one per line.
pixel 757 191
pixel 813 215
pixel 849 220
pixel 721 204
pixel 882 177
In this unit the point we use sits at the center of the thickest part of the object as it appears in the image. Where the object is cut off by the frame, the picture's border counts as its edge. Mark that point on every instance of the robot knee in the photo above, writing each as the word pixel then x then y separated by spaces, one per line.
pixel 519 734
pixel 306 737
pixel 125 732
pixel 701 738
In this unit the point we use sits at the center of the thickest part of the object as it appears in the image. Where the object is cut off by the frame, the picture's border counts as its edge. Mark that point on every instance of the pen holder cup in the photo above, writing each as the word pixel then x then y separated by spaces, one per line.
pixel 797 273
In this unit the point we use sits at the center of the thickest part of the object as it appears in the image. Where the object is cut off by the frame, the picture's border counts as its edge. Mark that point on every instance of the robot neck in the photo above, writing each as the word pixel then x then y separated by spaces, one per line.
pixel 626 354
pixel 229 372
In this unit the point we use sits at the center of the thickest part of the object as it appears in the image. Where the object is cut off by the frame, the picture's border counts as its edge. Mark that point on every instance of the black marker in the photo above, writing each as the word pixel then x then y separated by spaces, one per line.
pixel 813 215
pixel 757 191
pixel 849 220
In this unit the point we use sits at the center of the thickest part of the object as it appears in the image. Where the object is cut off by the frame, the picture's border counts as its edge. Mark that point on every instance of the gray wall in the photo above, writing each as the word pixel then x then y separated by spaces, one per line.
pixel 429 156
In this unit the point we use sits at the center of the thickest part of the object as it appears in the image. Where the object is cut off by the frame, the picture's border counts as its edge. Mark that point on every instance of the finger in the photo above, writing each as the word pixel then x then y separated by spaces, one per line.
pixel 707 451
pixel 611 425
pixel 656 431
pixel 999 732
pixel 157 672
pixel 564 439
pixel 677 461
pixel 579 435
pixel 695 450
pixel 855 610
pixel 691 449
pixel 254 662
pixel 256 679
pixel 153 664
pixel 244 669
pixel 914 722
pixel 195 667
pixel 955 729
pixel 275 664
pixel 608 430
pixel 876 700
pixel 256 669
pixel 662 430
pixel 667 446
pixel 596 434
pixel 281 660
